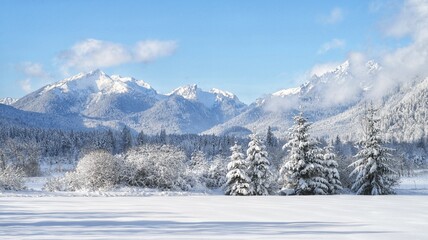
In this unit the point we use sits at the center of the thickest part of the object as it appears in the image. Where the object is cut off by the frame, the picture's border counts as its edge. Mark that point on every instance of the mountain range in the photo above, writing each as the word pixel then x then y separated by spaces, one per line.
pixel 96 99
pixel 334 101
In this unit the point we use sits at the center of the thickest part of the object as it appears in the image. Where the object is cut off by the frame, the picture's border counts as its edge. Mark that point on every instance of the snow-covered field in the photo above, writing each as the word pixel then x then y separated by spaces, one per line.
pixel 149 215
pixel 215 217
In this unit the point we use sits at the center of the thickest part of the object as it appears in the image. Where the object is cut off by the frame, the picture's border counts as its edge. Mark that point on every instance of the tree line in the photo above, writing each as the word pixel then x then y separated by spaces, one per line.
pixel 298 164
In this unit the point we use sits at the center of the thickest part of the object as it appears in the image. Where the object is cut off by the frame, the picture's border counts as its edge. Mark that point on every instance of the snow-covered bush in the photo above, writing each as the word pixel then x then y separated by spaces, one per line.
pixel 216 173
pixel 69 182
pixel 96 170
pixel 24 155
pixel 198 166
pixel 155 166
pixel 11 178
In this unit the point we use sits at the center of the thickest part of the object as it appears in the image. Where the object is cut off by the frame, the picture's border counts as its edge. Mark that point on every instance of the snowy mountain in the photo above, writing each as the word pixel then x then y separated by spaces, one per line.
pixel 334 101
pixel 97 99
pixel 10 116
pixel 225 105
pixel 321 97
pixel 92 95
pixel 8 100
pixel 403 113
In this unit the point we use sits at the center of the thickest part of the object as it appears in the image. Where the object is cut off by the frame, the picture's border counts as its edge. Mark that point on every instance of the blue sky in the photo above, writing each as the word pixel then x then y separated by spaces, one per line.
pixel 250 48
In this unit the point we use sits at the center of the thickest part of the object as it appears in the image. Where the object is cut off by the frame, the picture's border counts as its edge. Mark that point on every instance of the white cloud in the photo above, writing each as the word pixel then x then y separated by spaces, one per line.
pixel 335 16
pixel 399 65
pixel 411 21
pixel 33 70
pixel 146 51
pixel 34 76
pixel 26 85
pixel 406 63
pixel 320 69
pixel 376 5
pixel 92 53
pixel 330 45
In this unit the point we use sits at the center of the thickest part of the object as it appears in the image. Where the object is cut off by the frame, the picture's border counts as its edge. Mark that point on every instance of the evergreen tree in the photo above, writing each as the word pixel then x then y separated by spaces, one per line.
pixel 270 138
pixel 238 181
pixel 110 141
pixel 258 170
pixel 126 139
pixel 162 136
pixel 303 172
pixel 141 138
pixel 331 174
pixel 373 174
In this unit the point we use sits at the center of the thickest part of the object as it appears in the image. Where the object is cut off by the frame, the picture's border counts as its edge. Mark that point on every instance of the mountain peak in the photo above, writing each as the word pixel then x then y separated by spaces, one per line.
pixel 97 81
pixel 287 92
pixel 96 72
pixel 188 91
pixel 209 99
pixel 8 100
pixel 223 93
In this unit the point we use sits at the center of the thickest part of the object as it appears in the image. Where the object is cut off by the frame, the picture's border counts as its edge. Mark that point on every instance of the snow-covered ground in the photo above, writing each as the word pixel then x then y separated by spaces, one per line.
pixel 215 217
pixel 149 214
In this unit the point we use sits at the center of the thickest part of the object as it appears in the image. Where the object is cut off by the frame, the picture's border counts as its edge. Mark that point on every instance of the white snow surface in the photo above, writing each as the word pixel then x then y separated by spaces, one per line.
pixel 152 214
pixel 286 92
pixel 215 217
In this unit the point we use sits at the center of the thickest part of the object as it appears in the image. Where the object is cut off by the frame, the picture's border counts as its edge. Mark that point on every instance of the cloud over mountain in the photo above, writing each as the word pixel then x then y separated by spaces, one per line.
pixel 92 53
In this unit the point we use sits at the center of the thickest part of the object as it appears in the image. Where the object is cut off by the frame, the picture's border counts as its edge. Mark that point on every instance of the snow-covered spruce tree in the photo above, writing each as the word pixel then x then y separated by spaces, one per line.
pixel 331 173
pixel 238 181
pixel 373 174
pixel 303 171
pixel 258 166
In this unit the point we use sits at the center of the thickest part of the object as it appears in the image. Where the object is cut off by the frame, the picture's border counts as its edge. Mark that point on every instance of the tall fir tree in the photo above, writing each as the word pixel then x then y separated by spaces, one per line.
pixel 331 173
pixel 373 176
pixel 238 181
pixel 303 171
pixel 126 139
pixel 270 138
pixel 258 166
pixel 141 138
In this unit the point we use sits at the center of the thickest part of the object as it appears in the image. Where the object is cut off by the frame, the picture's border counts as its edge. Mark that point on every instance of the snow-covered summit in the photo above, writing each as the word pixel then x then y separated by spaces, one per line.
pixel 99 82
pixel 188 92
pixel 209 99
pixel 8 100
pixel 287 92
pixel 94 94
pixel 223 94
